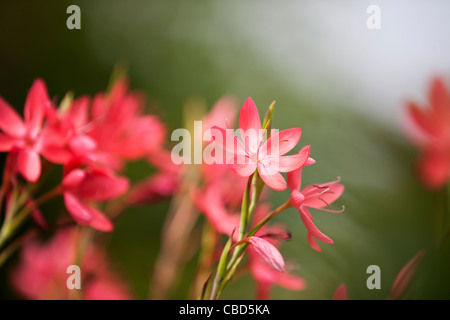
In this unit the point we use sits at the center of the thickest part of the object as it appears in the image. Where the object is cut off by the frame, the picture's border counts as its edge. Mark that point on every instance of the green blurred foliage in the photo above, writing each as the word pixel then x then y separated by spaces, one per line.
pixel 179 49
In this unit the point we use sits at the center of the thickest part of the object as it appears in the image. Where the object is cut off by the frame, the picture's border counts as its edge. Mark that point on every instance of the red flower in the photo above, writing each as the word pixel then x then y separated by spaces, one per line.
pixel 42 270
pixel 431 132
pixel 261 268
pixel 252 153
pixel 119 129
pixel 317 197
pixel 24 135
pixel 82 187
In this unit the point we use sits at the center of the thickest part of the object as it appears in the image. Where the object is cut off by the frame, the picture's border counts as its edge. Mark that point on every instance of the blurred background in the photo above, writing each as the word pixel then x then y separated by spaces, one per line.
pixel 345 85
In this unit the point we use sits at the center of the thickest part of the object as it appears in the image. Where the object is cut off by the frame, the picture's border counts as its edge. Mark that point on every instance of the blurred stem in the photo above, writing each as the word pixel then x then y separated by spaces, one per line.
pixel 177 231
pixel 15 219
pixel 206 258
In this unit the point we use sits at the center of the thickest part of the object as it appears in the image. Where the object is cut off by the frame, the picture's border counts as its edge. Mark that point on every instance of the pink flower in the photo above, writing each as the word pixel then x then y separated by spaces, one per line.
pixel 65 139
pixel 120 131
pixel 261 270
pixel 404 277
pixel 253 153
pixel 24 135
pixel 82 187
pixel 42 270
pixel 341 293
pixel 220 201
pixel 430 130
pixel 314 196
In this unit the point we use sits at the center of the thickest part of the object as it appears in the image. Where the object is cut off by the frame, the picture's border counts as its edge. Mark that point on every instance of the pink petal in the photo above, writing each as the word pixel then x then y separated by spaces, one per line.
pixel 313 243
pixel 73 179
pixel 222 114
pixel 405 276
pixel 35 105
pixel 294 179
pixel 10 121
pixel 56 154
pixel 100 221
pixel 421 119
pixel 245 169
pixel 6 142
pixel 310 226
pixel 341 293
pixel 269 252
pixel 281 142
pixel 227 141
pixel 291 163
pixel 79 211
pixel 291 282
pixel 249 116
pixel 82 144
pixel 439 96
pixel 29 164
pixel 78 112
pixel 297 199
pixel 324 195
pixel 100 186
pixel 273 180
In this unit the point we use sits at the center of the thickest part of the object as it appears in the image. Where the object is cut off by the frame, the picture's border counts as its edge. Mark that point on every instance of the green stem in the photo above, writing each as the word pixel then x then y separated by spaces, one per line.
pixel 14 221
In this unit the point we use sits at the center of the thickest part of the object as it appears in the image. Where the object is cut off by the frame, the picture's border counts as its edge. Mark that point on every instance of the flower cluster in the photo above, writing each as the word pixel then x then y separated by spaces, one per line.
pixel 430 131
pixel 238 202
pixel 93 138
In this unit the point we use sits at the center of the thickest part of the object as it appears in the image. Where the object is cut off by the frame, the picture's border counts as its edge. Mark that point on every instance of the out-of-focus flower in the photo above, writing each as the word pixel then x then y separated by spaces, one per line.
pixel 42 270
pixel 316 196
pixel 405 276
pixel 82 187
pixel 430 130
pixel 65 134
pixel 341 293
pixel 24 136
pixel 401 282
pixel 261 271
pixel 252 153
pixel 121 132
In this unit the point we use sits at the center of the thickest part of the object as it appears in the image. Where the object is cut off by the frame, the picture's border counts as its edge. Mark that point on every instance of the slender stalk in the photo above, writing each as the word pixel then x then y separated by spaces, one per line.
pixel 14 220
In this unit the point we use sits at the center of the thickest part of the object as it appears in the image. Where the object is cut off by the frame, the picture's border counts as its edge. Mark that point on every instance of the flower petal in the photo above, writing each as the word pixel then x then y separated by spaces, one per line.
pixel 10 121
pixel 269 252
pixel 249 116
pixel 271 178
pixel 341 293
pixel 225 139
pixel 281 142
pixel 29 164
pixel 35 105
pixel 405 275
pixel 310 226
pixel 100 186
pixel 243 169
pixel 323 195
pixel 100 221
pixel 79 211
pixel 291 163
pixel 6 142
pixel 294 179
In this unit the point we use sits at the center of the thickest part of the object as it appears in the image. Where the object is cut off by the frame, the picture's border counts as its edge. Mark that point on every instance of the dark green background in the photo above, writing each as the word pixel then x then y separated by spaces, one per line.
pixel 178 49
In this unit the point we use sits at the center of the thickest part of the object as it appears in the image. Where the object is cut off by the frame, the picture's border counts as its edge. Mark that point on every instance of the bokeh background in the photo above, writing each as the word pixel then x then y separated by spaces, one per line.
pixel 343 84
